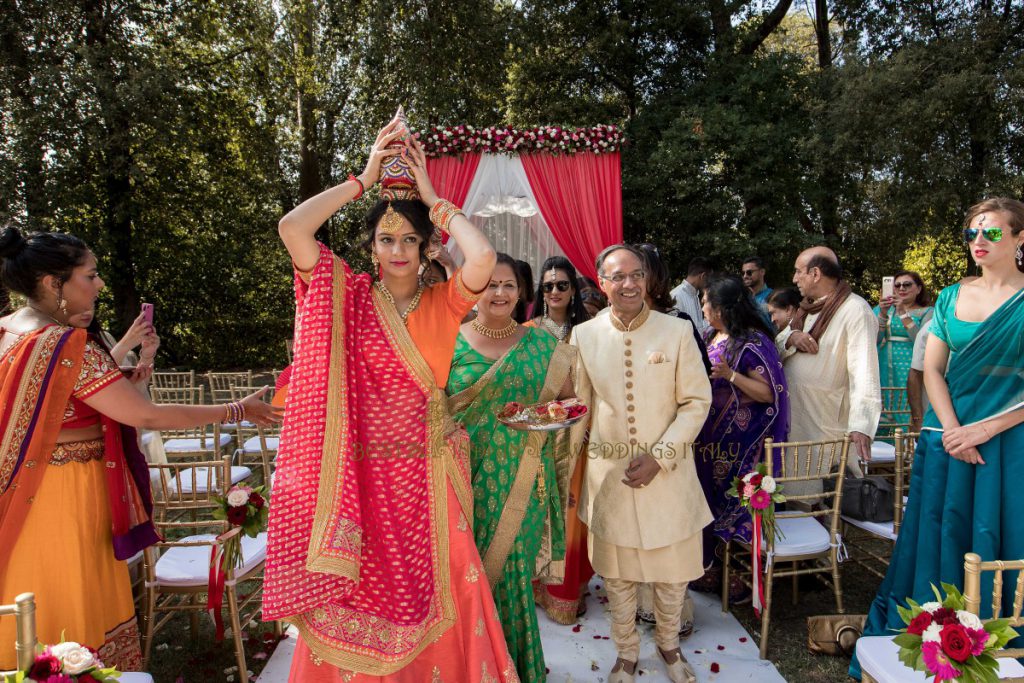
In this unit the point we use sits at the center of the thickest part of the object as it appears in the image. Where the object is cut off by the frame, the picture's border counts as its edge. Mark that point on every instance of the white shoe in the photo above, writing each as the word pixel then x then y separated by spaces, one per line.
pixel 679 671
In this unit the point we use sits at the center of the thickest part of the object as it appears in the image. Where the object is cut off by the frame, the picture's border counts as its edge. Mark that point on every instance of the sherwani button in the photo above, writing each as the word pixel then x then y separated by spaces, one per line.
pixel 628 363
pixel 628 342
pixel 628 352
pixel 629 373
pixel 630 419
pixel 629 385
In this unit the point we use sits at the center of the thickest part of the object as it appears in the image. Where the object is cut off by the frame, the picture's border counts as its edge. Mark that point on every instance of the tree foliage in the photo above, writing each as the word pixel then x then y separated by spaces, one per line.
pixel 172 134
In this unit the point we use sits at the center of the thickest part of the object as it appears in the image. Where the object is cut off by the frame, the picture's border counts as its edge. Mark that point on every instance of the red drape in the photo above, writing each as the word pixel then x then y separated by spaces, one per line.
pixel 580 198
pixel 452 176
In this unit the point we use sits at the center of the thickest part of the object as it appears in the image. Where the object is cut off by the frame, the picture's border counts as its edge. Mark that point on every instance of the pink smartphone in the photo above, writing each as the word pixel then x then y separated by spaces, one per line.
pixel 147 313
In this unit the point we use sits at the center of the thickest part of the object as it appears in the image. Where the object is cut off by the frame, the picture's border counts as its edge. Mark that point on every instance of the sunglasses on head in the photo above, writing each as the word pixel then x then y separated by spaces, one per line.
pixel 990 234
pixel 563 286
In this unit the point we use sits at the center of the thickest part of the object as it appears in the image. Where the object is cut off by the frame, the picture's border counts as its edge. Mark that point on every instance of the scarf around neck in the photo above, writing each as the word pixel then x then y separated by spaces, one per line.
pixel 826 306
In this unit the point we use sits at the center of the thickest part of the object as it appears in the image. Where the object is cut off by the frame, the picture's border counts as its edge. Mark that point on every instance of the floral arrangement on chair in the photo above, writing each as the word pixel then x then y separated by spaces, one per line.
pixel 758 493
pixel 244 508
pixel 948 643
pixel 66 662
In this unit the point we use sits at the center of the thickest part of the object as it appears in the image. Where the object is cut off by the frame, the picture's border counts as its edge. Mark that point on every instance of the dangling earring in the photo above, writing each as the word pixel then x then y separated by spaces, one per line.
pixel 62 303
pixel 375 263
pixel 1020 256
pixel 545 308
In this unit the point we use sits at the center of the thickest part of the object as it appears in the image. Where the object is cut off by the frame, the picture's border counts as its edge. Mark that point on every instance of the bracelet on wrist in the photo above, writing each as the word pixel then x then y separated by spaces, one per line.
pixel 732 377
pixel 362 188
pixel 442 213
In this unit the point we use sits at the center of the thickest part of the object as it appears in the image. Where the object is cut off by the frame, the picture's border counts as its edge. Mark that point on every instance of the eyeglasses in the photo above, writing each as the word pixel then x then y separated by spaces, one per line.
pixel 563 286
pixel 619 278
pixel 903 285
pixel 990 234
pixel 751 271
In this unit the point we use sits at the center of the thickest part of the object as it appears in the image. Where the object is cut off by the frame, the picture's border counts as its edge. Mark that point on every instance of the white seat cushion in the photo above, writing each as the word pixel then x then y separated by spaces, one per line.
pixel 237 474
pixel 801 536
pixel 233 426
pixel 253 444
pixel 135 677
pixel 882 452
pixel 879 657
pixel 190 566
pixel 187 445
pixel 135 559
pixel 880 529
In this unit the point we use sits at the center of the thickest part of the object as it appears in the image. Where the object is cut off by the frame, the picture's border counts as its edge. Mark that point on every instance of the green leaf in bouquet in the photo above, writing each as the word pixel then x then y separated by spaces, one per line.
pixel 909 657
pixel 906 614
pixel 954 598
pixel 908 640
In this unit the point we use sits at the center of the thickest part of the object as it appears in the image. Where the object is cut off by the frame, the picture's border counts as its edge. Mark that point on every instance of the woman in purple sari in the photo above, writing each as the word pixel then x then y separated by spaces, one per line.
pixel 749 402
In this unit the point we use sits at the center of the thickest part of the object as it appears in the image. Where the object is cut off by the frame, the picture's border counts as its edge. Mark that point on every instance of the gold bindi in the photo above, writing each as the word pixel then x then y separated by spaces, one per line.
pixel 391 221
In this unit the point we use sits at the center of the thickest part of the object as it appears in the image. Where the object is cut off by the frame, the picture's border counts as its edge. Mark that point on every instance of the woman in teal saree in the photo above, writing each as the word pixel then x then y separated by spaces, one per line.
pixel 519 478
pixel 968 464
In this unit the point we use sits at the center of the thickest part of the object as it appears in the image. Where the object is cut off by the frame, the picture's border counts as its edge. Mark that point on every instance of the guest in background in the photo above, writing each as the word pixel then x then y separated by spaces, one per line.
pixel 562 306
pixel 524 309
pixel 753 279
pixel 968 465
pixel 660 299
pixel 782 306
pixel 687 293
pixel 434 274
pixel 831 362
pixel 74 473
pixel 917 396
pixel 749 403
pixel 520 479
pixel 900 318
pixel 593 298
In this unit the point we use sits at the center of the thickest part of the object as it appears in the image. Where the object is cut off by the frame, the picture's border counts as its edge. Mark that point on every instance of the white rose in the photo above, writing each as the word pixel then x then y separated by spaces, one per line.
pixel 238 498
pixel 768 484
pixel 748 476
pixel 969 620
pixel 932 634
pixel 74 658
pixel 930 607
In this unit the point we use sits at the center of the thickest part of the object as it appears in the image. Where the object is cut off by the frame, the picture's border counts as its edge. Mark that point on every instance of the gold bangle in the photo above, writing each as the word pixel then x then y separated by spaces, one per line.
pixel 442 213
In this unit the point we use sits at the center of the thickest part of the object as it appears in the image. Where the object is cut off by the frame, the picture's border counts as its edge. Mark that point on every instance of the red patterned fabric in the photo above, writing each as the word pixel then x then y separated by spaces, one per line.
pixel 580 198
pixel 358 523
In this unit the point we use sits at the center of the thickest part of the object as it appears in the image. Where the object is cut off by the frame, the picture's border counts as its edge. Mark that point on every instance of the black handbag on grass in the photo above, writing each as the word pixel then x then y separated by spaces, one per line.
pixel 869 499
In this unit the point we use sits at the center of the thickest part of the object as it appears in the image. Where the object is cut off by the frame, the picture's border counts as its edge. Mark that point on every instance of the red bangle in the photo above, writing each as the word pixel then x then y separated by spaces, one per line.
pixel 358 182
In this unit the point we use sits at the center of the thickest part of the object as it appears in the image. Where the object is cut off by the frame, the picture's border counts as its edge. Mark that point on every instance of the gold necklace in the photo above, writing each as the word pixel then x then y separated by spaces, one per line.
pixel 412 304
pixel 44 313
pixel 491 333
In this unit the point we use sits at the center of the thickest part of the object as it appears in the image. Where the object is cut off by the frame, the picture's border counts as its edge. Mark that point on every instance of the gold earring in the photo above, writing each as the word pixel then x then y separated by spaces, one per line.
pixel 374 261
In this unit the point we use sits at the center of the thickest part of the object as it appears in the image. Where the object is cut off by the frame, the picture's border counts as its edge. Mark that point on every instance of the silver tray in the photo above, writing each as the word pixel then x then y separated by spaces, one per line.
pixel 542 426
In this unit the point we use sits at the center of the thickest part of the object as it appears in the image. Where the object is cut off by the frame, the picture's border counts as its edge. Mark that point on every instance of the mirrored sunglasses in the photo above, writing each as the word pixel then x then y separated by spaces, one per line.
pixel 990 234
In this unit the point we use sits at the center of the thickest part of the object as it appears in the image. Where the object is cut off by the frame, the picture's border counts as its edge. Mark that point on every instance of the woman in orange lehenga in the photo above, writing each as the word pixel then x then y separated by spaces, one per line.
pixel 74 488
pixel 371 552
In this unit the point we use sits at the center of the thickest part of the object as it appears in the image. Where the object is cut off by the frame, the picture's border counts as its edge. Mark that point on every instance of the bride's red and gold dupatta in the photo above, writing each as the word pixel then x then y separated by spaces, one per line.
pixel 369 546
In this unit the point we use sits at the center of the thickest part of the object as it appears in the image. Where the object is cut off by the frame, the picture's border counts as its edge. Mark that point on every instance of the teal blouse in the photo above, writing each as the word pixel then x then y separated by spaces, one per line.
pixel 956 333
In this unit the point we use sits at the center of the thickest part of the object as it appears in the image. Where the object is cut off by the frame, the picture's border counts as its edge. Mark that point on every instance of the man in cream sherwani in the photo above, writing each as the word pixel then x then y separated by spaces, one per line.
pixel 641 373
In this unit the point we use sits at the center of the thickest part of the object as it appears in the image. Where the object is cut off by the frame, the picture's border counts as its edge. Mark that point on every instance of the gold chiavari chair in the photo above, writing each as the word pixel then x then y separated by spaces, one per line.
pixel 178 567
pixel 24 612
pixel 858 534
pixel 222 383
pixel 879 655
pixel 257 440
pixel 802 538
pixel 174 380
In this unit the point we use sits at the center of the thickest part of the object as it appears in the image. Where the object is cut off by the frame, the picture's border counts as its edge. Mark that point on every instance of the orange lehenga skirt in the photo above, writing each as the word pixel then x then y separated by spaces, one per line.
pixel 468 652
pixel 64 554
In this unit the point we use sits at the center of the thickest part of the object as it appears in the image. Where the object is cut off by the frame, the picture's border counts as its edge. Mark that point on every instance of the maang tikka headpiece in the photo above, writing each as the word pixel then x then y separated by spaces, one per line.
pixel 396 179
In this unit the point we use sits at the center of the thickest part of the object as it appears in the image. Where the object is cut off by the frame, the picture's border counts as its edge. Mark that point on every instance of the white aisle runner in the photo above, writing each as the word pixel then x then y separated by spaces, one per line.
pixel 587 654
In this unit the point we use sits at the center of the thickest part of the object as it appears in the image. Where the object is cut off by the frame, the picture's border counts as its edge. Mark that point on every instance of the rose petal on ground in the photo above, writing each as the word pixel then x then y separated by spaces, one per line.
pixel 715 668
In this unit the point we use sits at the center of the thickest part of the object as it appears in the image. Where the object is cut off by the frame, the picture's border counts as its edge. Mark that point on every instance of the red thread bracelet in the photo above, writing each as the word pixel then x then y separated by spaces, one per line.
pixel 358 182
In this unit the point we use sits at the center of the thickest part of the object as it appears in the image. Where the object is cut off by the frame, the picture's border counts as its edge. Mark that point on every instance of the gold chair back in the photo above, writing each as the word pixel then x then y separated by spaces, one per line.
pixel 906 444
pixel 221 384
pixel 263 433
pixel 189 396
pixel 24 612
pixel 973 568
pixel 174 380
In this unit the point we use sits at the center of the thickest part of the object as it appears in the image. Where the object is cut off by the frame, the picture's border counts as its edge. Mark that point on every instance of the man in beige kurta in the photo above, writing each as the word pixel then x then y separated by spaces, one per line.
pixel 642 375
pixel 834 386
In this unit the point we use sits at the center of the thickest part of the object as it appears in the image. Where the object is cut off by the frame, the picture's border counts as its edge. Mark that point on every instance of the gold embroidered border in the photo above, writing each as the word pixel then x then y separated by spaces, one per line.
pixel 97 384
pixel 335 439
pixel 463 290
pixel 460 401
pixel 26 399
pixel 518 499
pixel 77 451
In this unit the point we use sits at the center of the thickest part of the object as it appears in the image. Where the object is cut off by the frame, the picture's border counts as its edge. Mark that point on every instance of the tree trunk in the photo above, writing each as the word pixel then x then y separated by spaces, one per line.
pixel 823 34
pixel 116 157
pixel 310 182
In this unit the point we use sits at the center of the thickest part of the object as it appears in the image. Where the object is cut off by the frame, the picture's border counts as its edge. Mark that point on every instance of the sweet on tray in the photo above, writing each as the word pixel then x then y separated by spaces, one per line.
pixel 549 415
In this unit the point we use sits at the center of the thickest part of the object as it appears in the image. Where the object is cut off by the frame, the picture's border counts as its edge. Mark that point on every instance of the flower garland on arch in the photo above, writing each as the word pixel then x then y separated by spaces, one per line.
pixel 455 140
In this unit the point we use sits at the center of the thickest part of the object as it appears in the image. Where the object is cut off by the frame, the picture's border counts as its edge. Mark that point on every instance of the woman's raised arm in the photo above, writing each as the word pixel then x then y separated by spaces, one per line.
pixel 298 227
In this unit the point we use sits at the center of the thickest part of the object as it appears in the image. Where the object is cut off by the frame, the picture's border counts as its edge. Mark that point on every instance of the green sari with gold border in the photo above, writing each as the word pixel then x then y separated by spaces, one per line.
pixel 520 480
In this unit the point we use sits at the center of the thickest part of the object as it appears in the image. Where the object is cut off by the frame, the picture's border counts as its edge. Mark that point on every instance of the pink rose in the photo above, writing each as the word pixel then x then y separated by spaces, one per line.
pixel 748 490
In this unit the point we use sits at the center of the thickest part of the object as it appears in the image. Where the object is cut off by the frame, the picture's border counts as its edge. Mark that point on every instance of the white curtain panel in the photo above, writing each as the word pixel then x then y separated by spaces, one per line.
pixel 501 203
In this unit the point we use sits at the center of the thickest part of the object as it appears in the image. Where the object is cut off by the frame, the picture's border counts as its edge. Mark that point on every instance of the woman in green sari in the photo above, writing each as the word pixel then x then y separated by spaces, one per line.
pixel 900 318
pixel 519 478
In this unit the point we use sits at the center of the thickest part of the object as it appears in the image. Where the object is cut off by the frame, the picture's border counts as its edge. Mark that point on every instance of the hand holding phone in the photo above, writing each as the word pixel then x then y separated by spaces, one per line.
pixel 887 287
